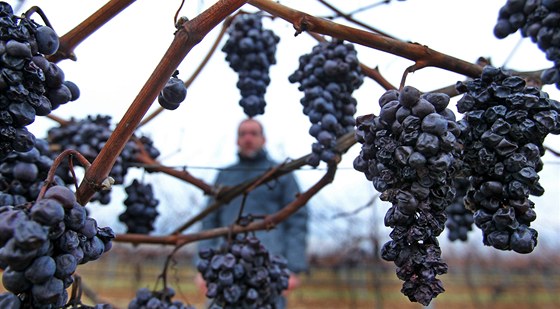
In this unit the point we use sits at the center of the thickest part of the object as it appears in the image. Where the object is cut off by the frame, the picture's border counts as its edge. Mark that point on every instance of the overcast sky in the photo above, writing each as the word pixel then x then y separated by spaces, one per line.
pixel 115 62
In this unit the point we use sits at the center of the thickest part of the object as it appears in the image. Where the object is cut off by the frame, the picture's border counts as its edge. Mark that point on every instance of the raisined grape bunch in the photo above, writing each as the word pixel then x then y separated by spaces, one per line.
pixel 145 298
pixel 30 85
pixel 250 51
pixel 41 246
pixel 243 274
pixel 410 153
pixel 503 130
pixel 173 93
pixel 538 20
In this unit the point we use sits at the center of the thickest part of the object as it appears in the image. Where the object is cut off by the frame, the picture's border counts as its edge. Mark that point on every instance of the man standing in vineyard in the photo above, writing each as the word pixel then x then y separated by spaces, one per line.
pixel 289 238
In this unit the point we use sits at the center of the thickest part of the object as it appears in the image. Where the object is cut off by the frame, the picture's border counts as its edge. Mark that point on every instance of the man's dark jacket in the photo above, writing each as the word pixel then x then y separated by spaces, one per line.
pixel 289 238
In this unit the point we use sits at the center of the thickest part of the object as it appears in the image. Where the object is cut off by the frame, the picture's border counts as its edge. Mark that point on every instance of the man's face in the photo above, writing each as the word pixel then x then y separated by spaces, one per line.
pixel 250 138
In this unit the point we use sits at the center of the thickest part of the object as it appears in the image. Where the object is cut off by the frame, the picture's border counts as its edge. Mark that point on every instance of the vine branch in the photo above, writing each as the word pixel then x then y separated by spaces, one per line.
pixel 268 222
pixel 412 51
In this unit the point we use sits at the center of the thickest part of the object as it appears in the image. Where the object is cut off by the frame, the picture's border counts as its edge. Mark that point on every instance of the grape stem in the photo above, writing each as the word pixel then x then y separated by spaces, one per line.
pixel 70 153
pixel 38 10
pixel 411 69
pixel 176 17
pixel 268 222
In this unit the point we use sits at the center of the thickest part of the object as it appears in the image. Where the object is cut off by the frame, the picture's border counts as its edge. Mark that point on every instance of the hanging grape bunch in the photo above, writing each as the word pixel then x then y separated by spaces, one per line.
pixel 243 274
pixel 250 51
pixel 173 93
pixel 23 173
pixel 140 212
pixel 459 218
pixel 41 246
pixel 145 298
pixel 504 127
pixel 409 152
pixel 30 85
pixel 538 20
pixel 88 136
pixel 327 77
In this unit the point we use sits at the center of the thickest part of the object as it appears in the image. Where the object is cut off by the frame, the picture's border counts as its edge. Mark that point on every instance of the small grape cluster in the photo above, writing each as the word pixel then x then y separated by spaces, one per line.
pixel 250 51
pixel 88 136
pixel 459 219
pixel 410 153
pixel 41 246
pixel 327 77
pixel 140 210
pixel 538 20
pixel 145 298
pixel 243 274
pixel 173 93
pixel 30 85
pixel 22 174
pixel 504 127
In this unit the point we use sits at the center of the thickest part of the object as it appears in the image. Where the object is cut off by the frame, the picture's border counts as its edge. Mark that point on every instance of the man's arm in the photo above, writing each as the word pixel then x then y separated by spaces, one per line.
pixel 295 228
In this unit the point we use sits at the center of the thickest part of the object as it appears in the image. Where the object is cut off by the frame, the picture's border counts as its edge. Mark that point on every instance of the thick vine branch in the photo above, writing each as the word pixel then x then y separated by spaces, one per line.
pixel 270 221
pixel 226 194
pixel 74 37
pixel 412 51
pixel 186 37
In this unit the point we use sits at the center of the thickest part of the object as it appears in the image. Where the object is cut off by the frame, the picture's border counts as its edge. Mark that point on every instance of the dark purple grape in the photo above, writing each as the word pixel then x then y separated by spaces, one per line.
pixel 47 40
pixel 41 269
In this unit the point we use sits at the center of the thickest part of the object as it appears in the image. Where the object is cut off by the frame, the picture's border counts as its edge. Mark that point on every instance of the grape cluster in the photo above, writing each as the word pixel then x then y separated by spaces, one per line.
pixel 30 85
pixel 22 174
pixel 41 246
pixel 140 210
pixel 243 274
pixel 156 299
pixel 504 127
pixel 250 51
pixel 327 77
pixel 173 93
pixel 459 218
pixel 88 136
pixel 538 20
pixel 410 153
